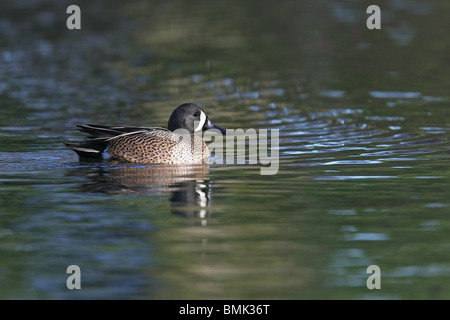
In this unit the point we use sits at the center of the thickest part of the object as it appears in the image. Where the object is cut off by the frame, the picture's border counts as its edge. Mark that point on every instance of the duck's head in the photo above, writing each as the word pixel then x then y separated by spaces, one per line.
pixel 191 117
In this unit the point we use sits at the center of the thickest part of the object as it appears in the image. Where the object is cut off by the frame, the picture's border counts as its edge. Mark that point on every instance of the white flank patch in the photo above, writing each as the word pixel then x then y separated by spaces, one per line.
pixel 201 122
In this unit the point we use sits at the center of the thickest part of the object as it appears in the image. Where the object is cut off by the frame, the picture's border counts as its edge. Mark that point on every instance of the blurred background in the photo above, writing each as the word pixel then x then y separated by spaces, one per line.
pixel 364 153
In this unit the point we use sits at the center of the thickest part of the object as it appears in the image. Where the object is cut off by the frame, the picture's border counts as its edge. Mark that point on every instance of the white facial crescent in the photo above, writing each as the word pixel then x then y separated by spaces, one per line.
pixel 202 121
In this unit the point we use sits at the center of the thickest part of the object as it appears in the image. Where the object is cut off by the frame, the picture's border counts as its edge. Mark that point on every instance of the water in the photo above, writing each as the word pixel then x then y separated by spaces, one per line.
pixel 364 151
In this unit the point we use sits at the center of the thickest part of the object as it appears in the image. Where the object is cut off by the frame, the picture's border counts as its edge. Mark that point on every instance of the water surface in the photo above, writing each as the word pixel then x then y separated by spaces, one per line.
pixel 363 117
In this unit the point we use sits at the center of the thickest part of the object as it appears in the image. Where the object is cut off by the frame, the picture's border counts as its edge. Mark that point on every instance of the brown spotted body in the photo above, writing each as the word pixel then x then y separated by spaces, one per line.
pixel 158 146
pixel 150 144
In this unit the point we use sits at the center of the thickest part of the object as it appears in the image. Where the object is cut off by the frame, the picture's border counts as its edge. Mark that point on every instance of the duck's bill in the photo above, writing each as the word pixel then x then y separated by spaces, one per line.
pixel 209 125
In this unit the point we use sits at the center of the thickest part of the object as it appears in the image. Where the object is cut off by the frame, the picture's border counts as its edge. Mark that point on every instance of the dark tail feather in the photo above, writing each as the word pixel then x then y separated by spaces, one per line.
pixel 99 131
pixel 91 148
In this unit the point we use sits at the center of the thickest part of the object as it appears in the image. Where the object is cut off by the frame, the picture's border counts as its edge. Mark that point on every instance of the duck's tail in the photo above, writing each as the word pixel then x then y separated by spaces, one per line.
pixel 88 149
pixel 97 141
pixel 99 136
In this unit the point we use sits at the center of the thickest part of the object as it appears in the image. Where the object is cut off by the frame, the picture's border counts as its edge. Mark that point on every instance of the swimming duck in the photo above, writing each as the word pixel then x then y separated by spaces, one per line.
pixel 176 145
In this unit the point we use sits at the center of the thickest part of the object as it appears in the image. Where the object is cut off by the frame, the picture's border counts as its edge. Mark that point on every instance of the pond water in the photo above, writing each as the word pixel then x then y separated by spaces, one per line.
pixel 363 118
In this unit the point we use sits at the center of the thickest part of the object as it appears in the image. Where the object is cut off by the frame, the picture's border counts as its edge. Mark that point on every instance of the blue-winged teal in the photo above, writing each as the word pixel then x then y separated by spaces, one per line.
pixel 150 144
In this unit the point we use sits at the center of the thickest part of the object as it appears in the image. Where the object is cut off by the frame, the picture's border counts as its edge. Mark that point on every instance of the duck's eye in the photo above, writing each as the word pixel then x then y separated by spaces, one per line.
pixel 197 114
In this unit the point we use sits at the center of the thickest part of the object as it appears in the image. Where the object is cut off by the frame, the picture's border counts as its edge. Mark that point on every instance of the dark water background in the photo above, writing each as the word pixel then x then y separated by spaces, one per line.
pixel 364 120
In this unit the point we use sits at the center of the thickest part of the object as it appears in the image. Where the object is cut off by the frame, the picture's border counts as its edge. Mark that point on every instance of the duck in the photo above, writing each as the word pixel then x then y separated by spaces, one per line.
pixel 178 144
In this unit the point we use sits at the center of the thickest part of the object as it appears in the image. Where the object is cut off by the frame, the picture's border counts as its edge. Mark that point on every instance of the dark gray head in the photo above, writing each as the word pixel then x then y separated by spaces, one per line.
pixel 191 117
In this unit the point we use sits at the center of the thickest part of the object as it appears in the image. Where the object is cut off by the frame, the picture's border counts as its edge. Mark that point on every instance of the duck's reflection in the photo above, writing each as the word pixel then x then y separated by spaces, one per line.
pixel 191 198
pixel 188 185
